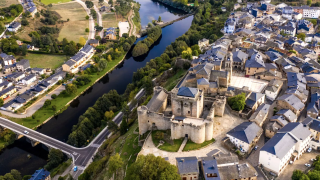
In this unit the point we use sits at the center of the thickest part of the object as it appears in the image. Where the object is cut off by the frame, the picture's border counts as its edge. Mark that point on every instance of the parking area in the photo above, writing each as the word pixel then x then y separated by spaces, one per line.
pixel 298 164
pixel 255 85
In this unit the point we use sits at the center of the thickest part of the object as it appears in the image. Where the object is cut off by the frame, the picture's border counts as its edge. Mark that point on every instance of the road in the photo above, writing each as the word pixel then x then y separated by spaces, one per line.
pixel 99 19
pixel 91 21
pixel 81 156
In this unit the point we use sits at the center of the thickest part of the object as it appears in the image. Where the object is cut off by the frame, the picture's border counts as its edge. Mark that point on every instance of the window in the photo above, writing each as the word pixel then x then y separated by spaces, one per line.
pixel 212 175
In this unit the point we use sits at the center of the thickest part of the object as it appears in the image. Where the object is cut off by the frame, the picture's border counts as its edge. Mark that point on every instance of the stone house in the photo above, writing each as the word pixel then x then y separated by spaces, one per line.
pixel 314 127
pixel 245 135
pixel 188 167
pixel 255 65
pixel 273 89
pixel 313 106
pixel 260 115
pixel 203 43
pixel 290 101
pixel 239 60
pixel 254 100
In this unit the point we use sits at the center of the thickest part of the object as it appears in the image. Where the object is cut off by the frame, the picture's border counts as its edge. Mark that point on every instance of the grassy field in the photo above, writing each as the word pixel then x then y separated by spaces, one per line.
pixel 193 146
pixel 6 3
pixel 45 60
pixel 75 27
pixel 109 20
pixel 61 168
pixel 60 102
pixel 166 146
pixel 173 81
pixel 46 2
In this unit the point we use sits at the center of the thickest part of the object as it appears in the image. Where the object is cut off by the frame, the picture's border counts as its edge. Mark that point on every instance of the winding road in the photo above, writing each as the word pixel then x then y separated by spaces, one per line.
pixel 91 21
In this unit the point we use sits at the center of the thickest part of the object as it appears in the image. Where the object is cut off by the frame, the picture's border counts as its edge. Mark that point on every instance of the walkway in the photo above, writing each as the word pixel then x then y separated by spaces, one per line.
pixel 130 21
pixel 91 21
pixel 183 144
pixel 35 106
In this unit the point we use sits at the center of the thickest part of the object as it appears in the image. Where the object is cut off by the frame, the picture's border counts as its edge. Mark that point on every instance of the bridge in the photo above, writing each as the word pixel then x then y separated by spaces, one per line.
pixel 80 156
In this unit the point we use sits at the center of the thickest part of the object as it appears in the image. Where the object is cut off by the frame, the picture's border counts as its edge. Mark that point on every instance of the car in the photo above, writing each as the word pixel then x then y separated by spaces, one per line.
pixel 313 160
pixel 256 147
pixel 308 165
pixel 75 168
pixel 309 150
pixel 290 162
pixel 26 132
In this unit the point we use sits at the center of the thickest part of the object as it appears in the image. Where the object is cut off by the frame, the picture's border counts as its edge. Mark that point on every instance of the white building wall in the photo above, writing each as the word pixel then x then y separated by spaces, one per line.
pixel 237 142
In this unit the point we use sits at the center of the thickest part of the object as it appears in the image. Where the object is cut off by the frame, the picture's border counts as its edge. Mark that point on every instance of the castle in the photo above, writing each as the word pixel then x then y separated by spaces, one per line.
pixel 185 111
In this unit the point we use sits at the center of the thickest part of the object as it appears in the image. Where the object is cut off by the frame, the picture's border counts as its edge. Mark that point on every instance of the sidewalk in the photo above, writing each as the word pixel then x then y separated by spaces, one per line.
pixel 183 144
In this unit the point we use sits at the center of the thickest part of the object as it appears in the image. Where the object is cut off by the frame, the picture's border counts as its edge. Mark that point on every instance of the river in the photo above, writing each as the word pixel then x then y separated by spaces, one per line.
pixel 59 127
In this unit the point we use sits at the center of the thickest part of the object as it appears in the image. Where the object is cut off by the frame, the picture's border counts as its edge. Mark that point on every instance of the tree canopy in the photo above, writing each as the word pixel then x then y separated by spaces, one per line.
pixel 237 102
pixel 151 167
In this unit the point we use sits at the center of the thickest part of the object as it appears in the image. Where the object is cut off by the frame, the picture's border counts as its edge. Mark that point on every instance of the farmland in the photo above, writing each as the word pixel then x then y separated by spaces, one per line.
pixel 45 60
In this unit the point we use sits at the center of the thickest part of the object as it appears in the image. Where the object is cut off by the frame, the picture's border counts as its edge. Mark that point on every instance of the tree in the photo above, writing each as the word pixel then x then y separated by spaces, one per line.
pixel 159 19
pixel 47 103
pixel 309 2
pixel 71 89
pixel 112 126
pixel 82 41
pixel 24 22
pixel 126 110
pixel 237 102
pixel 126 46
pixel 53 96
pixel 196 3
pixel 101 1
pixel 87 17
pixel 1 101
pixel 102 64
pixel 115 164
pixel 16 174
pixel 301 36
pixel 98 28
pixel 109 115
pixel 55 158
pixel 151 167
pixel 109 58
pixel 123 126
pixel 313 21
pixel 110 2
pixel 87 30
pixel 89 4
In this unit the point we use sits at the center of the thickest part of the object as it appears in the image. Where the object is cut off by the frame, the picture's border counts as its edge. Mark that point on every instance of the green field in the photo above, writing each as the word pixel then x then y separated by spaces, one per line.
pixel 166 146
pixel 46 2
pixel 6 3
pixel 194 146
pixel 75 27
pixel 45 60
pixel 60 102
pixel 109 20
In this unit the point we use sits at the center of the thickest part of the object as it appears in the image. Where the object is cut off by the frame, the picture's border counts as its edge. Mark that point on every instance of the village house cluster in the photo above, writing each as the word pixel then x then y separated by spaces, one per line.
pixel 269 53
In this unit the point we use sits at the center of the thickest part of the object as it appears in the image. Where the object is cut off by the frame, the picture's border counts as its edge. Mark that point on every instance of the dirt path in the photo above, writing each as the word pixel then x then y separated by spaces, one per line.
pixel 130 21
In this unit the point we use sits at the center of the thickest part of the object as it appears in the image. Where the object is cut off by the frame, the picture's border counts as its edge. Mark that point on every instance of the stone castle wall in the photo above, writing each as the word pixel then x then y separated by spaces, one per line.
pixel 197 134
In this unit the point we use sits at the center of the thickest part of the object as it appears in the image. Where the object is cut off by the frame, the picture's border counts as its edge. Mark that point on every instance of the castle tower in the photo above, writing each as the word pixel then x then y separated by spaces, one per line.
pixel 229 64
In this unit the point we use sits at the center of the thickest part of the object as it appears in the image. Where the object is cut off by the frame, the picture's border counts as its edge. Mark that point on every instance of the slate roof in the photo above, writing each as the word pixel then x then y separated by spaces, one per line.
pixel 32 9
pixel 5 91
pixel 239 56
pixel 288 114
pixel 15 75
pixel 245 131
pixel 280 120
pixel 296 129
pixel 77 57
pixel 27 78
pixel 187 164
pixel 187 92
pixel 279 144
pixel 14 25
pixel 70 63
pixel 255 61
pixel 253 98
pixel 93 41
pixel 213 85
pixel 86 48
pixel 40 175
pixel 293 101
pixel 157 101
pixel 24 62
pixel 210 166
pixel 315 125
pixel 203 81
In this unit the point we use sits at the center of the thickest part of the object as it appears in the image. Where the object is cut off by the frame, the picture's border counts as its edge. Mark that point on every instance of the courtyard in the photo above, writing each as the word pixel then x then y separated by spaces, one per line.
pixel 255 85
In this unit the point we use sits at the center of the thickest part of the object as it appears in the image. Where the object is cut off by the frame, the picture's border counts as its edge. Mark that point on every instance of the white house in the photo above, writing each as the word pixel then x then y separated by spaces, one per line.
pixel 288 30
pixel 314 127
pixel 14 27
pixel 28 79
pixel 229 26
pixel 244 135
pixel 287 145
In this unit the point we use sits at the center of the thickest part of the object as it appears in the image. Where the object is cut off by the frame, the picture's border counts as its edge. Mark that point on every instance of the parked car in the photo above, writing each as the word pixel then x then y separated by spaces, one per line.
pixel 310 149
pixel 308 165
pixel 75 168
pixel 256 147
pixel 290 162
pixel 313 160
pixel 26 132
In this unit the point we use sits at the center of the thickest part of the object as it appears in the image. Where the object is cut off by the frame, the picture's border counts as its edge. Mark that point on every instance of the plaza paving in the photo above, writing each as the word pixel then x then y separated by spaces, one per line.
pixel 255 85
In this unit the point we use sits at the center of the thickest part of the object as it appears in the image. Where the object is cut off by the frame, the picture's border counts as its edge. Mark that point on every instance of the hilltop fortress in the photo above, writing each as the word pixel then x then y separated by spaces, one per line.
pixel 185 111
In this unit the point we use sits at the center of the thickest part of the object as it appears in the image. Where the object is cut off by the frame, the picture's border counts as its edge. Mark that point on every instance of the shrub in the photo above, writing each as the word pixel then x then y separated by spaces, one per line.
pixel 53 96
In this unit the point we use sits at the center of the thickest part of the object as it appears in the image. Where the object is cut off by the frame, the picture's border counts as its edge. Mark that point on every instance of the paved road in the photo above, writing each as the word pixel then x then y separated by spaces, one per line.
pixel 81 156
pixel 99 19
pixel 91 21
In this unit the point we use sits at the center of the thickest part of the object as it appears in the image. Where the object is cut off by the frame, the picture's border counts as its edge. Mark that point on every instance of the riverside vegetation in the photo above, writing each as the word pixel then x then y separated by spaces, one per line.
pixel 142 47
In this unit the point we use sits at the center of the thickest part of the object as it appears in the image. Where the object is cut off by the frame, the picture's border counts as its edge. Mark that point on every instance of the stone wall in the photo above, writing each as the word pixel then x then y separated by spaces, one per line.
pixel 147 120
pixel 219 105
pixel 197 134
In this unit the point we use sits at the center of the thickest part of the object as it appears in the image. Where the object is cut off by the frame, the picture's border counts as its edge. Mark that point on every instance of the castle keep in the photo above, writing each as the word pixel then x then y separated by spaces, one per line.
pixel 185 111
